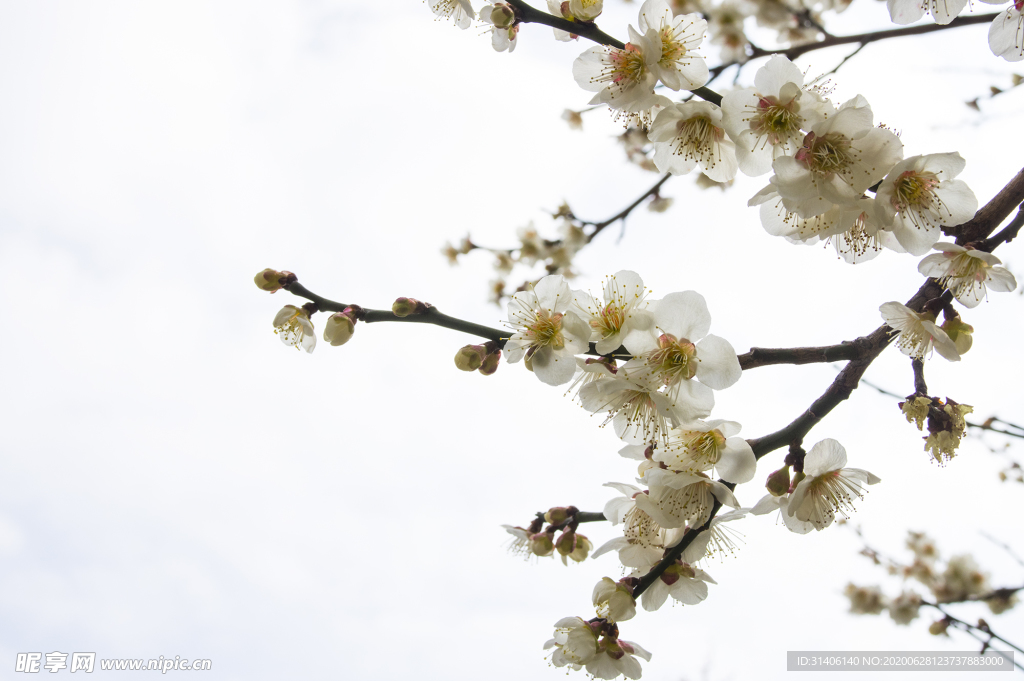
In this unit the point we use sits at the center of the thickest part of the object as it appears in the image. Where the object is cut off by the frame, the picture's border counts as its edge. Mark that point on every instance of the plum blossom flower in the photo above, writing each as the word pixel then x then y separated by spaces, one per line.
pixel 840 158
pixel 547 335
pixel 685 351
pixel 339 327
pixel 638 412
pixel 679 498
pixel 293 327
pixel 828 487
pixel 766 121
pixel 459 11
pixel 614 600
pixel 689 134
pixel 683 582
pixel 918 333
pixel 1006 34
pixel 575 643
pixel 679 66
pixel 504 27
pixel 904 608
pixel 865 600
pixel 614 657
pixel 968 273
pixel 700 446
pixel 623 79
pixel 621 317
pixel 919 195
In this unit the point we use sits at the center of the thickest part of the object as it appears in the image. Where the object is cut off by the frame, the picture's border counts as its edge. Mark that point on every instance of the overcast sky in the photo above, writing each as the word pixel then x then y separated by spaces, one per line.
pixel 177 482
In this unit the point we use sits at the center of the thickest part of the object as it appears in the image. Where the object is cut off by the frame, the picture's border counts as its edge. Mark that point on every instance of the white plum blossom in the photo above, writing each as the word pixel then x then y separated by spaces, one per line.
pixel 678 498
pixel 615 657
pixel 547 334
pixel 585 10
pixel 699 446
pixel 840 158
pixel 638 412
pixel 624 79
pixel 725 23
pixel 904 608
pixel 1006 35
pixel 717 539
pixel 918 332
pixel 575 643
pixel 459 11
pixel 504 29
pixel 613 600
pixel 828 487
pixel 767 120
pixel 293 327
pixel 685 351
pixel 621 317
pixel 968 273
pixel 684 583
pixel 908 11
pixel 679 67
pixel 919 195
pixel 689 134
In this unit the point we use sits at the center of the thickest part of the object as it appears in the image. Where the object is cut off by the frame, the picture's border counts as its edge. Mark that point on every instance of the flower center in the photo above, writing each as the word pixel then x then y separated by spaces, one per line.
pixel 706 448
pixel 914 189
pixel 609 320
pixel 627 66
pixel 832 492
pixel 697 138
pixel 672 49
pixel 778 121
pixel 675 359
pixel 546 330
pixel 825 155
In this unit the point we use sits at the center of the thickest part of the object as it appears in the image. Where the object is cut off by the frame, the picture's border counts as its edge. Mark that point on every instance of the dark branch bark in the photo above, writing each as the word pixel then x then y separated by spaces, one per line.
pixel 992 213
pixel 759 357
pixel 875 36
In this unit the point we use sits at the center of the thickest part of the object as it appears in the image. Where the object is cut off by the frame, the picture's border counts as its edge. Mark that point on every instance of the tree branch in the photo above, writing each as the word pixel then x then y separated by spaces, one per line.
pixel 759 357
pixel 622 214
pixel 865 38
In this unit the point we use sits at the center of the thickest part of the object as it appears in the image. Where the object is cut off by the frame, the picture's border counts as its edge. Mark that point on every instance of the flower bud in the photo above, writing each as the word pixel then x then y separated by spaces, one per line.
pixel 557 514
pixel 403 307
pixel 339 327
pixel 470 357
pixel 566 543
pixel 582 550
pixel 273 281
pixel 541 544
pixel 959 333
pixel 938 628
pixel 490 363
pixel 502 16
pixel 778 482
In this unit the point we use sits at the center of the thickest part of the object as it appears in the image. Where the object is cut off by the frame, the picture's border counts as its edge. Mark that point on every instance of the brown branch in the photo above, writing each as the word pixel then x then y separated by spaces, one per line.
pixel 841 389
pixel 624 213
pixel 875 36
pixel 759 357
pixel 920 387
pixel 1006 234
pixel 992 213
pixel 430 316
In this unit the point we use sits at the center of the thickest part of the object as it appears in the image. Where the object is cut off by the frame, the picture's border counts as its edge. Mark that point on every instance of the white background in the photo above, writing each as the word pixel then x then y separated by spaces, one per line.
pixel 177 482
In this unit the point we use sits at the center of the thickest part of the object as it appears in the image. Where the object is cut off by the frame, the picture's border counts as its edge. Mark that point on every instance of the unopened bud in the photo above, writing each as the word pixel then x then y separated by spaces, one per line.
pixel 938 628
pixel 470 357
pixel 340 327
pixel 582 550
pixel 959 332
pixel 490 363
pixel 502 16
pixel 797 477
pixel 566 543
pixel 403 307
pixel 274 281
pixel 778 482
pixel 541 544
pixel 556 515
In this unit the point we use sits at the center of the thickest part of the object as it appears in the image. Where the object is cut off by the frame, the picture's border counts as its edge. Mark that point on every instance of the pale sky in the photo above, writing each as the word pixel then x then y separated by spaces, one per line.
pixel 177 482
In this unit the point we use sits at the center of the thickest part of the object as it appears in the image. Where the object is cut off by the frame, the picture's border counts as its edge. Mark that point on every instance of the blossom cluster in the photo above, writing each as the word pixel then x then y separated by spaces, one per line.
pixel 958 580
pixel 1004 35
